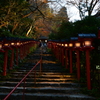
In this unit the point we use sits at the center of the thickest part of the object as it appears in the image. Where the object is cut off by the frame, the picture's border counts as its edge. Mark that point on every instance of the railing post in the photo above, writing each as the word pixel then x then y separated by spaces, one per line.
pixel 41 63
pixel 40 66
pixel 34 77
pixel 23 98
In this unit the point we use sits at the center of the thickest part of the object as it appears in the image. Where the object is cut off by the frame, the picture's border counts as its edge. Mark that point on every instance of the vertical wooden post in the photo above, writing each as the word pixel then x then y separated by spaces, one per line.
pixel 66 59
pixel 12 59
pixel 62 57
pixel 17 56
pixel 78 63
pixel 88 70
pixel 5 62
pixel 71 65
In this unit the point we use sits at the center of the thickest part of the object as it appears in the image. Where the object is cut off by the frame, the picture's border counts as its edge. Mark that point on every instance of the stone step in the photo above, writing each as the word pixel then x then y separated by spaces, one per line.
pixel 41 84
pixel 43 72
pixel 52 84
pixel 48 75
pixel 38 79
pixel 44 76
pixel 42 90
pixel 29 67
pixel 56 76
pixel 47 96
pixel 50 70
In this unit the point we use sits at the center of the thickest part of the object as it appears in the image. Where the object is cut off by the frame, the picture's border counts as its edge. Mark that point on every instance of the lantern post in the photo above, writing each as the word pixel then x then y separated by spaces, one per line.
pixel 71 48
pixel 59 52
pixel 56 49
pixel 6 47
pixel 21 50
pixel 12 55
pixel 87 47
pixel 66 54
pixel 77 48
pixel 70 58
pixel 18 55
pixel 13 45
pixel 17 44
pixel 63 52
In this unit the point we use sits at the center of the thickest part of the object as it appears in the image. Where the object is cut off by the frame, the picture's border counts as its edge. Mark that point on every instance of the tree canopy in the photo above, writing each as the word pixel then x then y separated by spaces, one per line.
pixel 87 25
pixel 33 19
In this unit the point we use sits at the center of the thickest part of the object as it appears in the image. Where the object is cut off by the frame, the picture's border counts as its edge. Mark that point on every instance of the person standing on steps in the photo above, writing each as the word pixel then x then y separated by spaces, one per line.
pixel 43 47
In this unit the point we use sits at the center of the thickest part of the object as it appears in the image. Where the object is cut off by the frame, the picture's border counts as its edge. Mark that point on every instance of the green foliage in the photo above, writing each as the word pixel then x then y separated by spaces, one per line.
pixel 69 29
pixel 94 92
pixel 5 32
pixel 2 3
pixel 53 36
pixel 87 25
pixel 12 17
pixel 65 30
pixel 33 48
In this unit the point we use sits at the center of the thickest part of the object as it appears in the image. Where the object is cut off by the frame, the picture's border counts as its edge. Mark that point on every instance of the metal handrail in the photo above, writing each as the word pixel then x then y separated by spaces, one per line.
pixel 23 80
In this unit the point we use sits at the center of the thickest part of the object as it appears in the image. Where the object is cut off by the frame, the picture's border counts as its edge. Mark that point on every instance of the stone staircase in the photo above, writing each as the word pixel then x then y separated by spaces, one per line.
pixel 52 84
